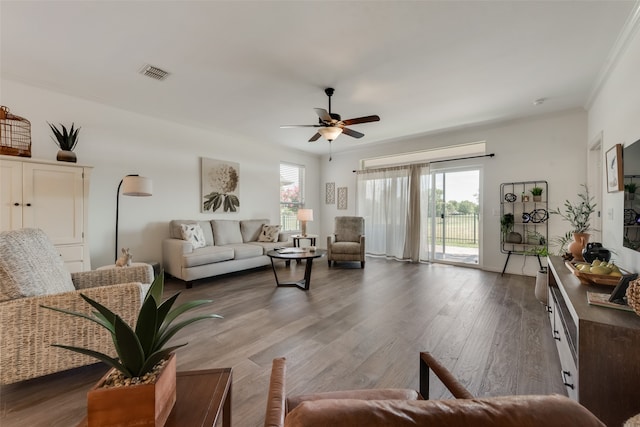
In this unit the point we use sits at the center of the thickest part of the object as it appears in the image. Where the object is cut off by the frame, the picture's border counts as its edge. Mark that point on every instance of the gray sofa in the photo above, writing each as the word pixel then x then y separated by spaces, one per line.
pixel 231 245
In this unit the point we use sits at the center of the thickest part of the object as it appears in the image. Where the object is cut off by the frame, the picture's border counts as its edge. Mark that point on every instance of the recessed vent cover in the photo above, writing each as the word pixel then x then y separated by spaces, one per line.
pixel 154 72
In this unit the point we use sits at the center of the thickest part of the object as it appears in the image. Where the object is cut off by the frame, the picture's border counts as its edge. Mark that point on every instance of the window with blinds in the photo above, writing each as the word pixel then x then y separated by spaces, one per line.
pixel 291 195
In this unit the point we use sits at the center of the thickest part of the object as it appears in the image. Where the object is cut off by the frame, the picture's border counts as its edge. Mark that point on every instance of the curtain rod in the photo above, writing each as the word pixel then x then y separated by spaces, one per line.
pixel 427 163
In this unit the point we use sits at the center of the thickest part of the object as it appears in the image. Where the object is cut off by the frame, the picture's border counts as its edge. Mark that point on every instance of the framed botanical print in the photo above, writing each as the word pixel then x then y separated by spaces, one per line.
pixel 613 158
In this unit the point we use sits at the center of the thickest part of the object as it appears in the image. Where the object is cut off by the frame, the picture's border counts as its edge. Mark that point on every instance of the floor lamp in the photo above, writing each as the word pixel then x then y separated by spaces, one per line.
pixel 132 185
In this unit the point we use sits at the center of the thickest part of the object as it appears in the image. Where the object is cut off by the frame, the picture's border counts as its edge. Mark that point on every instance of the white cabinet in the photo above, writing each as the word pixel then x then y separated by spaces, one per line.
pixel 50 196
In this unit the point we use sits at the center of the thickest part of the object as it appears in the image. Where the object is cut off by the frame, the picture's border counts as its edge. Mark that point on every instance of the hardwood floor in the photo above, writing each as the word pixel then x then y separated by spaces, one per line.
pixel 355 328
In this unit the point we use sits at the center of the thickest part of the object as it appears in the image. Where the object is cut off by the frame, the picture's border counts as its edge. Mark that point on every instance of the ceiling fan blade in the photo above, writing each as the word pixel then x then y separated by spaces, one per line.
pixel 365 119
pixel 315 137
pixel 299 126
pixel 323 114
pixel 352 133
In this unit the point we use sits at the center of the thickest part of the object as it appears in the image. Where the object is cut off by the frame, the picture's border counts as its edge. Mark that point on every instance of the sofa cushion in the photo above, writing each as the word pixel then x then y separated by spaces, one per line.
pixel 175 231
pixel 270 246
pixel 207 255
pixel 521 411
pixel 30 265
pixel 269 233
pixel 193 234
pixel 251 228
pixel 245 250
pixel 226 231
pixel 351 248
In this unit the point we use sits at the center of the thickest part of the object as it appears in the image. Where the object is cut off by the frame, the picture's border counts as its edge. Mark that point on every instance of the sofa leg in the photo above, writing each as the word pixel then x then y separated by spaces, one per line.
pixel 329 261
pixel 361 264
pixel 189 284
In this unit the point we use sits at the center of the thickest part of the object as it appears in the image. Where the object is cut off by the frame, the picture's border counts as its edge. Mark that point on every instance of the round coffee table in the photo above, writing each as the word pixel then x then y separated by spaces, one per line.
pixel 288 254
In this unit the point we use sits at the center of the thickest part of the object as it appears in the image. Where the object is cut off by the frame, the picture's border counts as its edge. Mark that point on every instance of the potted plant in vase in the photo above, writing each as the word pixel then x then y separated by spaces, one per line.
pixel 537 194
pixel 66 141
pixel 578 216
pixel 506 225
pixel 140 389
pixel 630 190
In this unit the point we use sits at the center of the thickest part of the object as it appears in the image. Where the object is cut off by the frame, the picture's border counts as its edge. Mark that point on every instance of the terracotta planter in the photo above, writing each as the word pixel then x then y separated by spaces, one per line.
pixel 137 405
pixel 580 241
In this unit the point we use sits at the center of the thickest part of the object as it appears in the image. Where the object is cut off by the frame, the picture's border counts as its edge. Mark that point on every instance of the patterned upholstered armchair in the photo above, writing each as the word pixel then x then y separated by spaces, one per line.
pixel 33 274
pixel 347 241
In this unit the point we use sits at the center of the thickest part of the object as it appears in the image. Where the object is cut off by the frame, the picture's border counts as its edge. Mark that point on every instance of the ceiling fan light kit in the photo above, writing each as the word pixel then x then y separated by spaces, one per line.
pixel 330 133
pixel 331 124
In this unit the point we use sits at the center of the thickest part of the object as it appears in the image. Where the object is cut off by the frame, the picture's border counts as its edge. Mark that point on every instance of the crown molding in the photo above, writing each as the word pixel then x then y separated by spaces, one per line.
pixel 619 47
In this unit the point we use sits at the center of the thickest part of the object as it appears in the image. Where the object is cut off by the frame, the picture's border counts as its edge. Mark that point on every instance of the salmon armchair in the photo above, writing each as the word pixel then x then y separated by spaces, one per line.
pixel 405 407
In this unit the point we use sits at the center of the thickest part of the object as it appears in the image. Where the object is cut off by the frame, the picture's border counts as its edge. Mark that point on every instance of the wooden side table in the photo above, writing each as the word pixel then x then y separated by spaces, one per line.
pixel 200 398
pixel 310 237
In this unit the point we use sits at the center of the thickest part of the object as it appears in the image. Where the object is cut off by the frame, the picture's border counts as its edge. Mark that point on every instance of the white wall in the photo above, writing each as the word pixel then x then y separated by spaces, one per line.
pixel 117 142
pixel 549 147
pixel 616 113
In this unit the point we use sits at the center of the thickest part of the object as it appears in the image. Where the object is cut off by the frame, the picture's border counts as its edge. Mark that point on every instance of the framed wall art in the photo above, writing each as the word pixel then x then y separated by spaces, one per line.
pixel 342 197
pixel 330 194
pixel 220 186
pixel 615 180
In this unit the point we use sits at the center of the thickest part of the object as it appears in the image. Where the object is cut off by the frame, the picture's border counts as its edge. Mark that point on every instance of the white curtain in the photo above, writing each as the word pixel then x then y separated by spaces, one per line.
pixel 427 215
pixel 383 201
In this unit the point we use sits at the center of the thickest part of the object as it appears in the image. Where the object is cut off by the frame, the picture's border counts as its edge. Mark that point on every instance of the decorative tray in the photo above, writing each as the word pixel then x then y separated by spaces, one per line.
pixel 594 279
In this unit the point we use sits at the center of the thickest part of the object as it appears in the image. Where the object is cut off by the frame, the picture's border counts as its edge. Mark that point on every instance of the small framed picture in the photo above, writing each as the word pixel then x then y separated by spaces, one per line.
pixel 613 158
pixel 342 197
pixel 330 196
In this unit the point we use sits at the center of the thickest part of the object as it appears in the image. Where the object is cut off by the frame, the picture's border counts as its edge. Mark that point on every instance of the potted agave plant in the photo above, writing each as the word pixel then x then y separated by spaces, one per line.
pixel 66 141
pixel 140 389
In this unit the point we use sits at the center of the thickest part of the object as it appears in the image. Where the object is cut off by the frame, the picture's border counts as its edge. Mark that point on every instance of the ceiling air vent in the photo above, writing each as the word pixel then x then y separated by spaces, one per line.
pixel 154 72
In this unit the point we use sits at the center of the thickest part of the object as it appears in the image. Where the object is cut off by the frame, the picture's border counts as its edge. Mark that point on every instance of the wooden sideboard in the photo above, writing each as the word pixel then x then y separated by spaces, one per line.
pixel 599 347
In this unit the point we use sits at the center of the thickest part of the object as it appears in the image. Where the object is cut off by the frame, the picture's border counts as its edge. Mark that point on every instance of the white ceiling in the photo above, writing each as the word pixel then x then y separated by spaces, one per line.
pixel 250 66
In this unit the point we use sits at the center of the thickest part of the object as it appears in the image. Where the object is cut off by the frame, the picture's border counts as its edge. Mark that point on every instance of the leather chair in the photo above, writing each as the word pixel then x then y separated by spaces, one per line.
pixel 347 241
pixel 404 407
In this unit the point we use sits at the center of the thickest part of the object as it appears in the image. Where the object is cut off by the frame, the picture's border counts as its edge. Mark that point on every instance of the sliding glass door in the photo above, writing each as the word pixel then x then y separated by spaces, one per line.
pixel 450 230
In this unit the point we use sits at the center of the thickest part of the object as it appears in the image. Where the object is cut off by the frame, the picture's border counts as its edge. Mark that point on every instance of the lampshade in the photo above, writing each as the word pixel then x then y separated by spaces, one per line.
pixel 305 214
pixel 131 185
pixel 135 185
pixel 330 133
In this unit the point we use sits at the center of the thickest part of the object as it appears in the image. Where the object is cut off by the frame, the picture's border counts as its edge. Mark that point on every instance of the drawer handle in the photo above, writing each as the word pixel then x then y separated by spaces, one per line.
pixel 16 204
pixel 566 374
pixel 556 335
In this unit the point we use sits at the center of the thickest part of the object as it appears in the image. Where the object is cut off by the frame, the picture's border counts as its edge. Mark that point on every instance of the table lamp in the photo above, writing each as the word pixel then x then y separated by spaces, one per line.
pixel 305 215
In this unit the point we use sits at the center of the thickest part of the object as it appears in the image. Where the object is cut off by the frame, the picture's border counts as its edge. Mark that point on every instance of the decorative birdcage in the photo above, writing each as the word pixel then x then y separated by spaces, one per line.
pixel 15 134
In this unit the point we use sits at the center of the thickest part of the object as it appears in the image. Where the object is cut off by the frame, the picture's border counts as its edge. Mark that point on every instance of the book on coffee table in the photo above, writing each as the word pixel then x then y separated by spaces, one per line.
pixel 292 251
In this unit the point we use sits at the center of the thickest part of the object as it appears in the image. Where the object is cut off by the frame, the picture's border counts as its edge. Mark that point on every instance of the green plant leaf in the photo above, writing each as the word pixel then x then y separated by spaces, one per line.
pixel 99 321
pixel 183 308
pixel 156 289
pixel 165 307
pixel 128 346
pixel 147 325
pixel 170 332
pixel 156 357
pixel 109 315
pixel 114 363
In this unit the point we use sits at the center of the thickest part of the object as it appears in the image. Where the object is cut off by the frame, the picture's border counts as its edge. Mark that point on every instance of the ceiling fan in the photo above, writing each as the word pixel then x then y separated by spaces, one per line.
pixel 331 124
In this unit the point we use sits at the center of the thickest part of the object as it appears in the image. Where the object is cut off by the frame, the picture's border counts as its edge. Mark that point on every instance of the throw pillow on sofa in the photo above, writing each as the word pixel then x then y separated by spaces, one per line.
pixel 193 234
pixel 269 233
pixel 30 265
